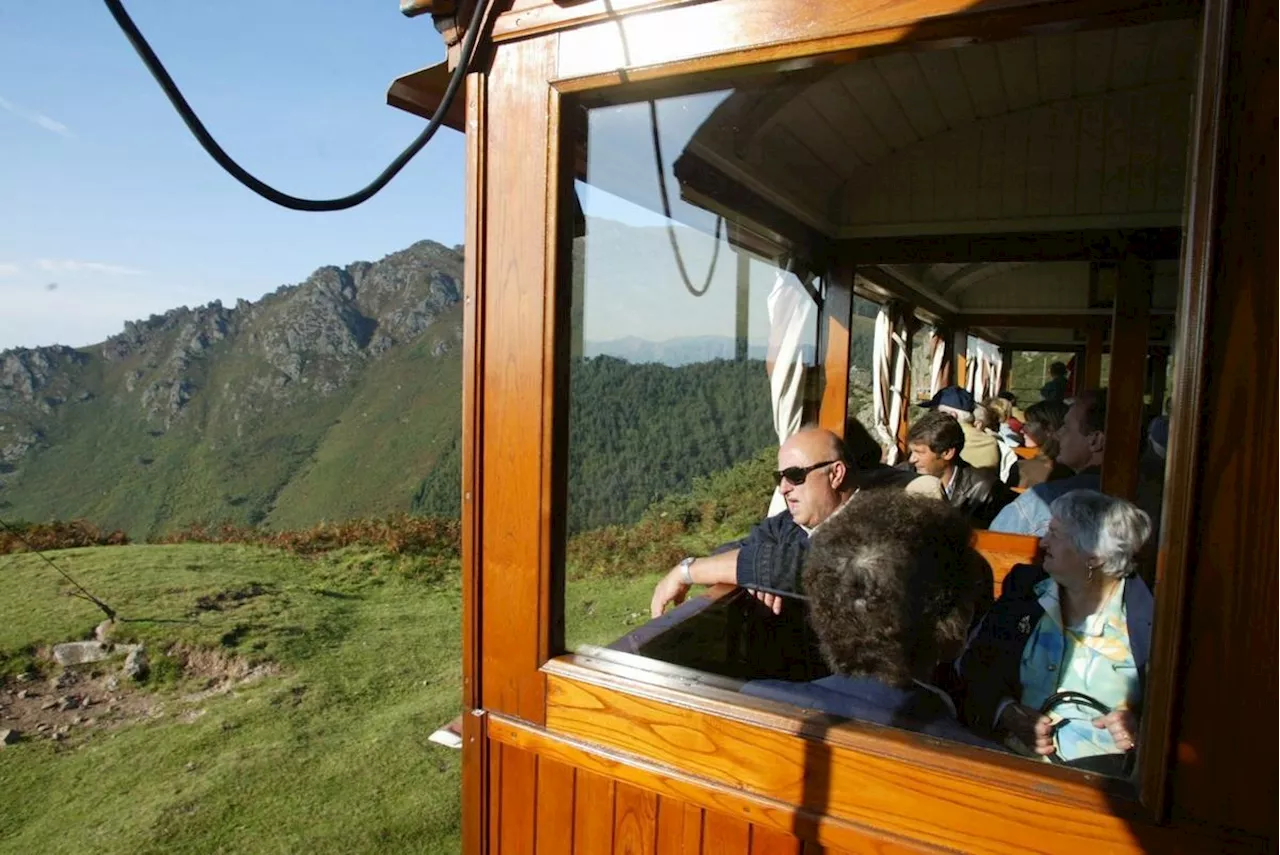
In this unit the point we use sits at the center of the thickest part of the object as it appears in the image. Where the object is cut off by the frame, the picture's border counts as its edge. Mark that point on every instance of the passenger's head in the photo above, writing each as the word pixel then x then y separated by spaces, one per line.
pixel 955 401
pixel 892 585
pixel 1093 536
pixel 1044 420
pixel 935 442
pixel 1000 407
pixel 1057 369
pixel 1082 439
pixel 984 418
pixel 860 447
pixel 813 475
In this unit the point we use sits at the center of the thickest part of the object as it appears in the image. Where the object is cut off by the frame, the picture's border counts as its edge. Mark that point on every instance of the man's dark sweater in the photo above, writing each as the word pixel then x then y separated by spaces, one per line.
pixel 773 554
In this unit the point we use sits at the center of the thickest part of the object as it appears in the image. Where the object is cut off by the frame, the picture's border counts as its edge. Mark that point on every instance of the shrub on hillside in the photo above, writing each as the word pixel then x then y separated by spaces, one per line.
pixel 59 534
pixel 399 534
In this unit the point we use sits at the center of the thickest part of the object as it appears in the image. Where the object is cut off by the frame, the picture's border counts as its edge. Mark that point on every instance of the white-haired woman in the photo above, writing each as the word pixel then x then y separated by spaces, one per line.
pixel 1057 666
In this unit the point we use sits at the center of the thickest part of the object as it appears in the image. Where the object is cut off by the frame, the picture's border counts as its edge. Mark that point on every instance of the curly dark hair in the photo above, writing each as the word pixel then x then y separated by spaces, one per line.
pixel 938 431
pixel 892 583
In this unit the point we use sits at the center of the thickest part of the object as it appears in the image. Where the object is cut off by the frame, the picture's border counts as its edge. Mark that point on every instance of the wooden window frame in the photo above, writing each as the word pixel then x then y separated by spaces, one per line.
pixel 545 689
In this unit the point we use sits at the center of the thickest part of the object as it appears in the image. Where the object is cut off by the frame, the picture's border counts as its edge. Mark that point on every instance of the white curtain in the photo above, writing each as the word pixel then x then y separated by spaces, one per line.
pixel 938 358
pixel 985 364
pixel 791 312
pixel 889 375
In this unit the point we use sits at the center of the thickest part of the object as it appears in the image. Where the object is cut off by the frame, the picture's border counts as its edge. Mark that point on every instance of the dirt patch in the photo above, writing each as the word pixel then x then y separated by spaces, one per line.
pixel 78 702
pixel 230 599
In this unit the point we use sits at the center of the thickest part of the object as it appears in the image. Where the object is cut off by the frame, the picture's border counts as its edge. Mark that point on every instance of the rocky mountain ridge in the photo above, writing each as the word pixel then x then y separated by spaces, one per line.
pixel 218 376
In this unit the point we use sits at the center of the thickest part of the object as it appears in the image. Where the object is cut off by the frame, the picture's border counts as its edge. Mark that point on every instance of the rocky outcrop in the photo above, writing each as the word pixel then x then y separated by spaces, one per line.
pixel 301 341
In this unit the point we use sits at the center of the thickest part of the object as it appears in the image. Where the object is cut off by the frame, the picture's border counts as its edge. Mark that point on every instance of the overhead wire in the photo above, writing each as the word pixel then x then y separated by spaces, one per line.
pixel 266 191
pixel 695 290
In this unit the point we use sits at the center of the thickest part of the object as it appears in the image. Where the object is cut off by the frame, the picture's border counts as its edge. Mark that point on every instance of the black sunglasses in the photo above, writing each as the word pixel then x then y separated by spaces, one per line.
pixel 797 474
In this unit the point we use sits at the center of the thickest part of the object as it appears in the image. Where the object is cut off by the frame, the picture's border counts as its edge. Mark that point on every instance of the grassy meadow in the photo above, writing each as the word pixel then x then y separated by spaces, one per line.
pixel 328 754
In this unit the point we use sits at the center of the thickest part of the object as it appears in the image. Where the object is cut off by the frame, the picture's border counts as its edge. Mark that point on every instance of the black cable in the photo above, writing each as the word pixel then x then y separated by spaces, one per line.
pixel 210 145
pixel 83 593
pixel 666 212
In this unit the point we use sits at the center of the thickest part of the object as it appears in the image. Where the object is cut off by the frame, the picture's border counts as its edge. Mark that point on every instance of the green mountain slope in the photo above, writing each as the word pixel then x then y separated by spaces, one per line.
pixel 324 400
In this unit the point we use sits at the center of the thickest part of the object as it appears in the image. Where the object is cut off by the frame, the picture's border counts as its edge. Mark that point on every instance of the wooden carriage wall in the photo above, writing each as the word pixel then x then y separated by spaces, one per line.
pixel 566 754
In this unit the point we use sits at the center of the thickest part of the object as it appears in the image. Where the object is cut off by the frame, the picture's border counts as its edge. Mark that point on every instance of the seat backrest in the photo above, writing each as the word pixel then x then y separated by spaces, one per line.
pixel 1004 551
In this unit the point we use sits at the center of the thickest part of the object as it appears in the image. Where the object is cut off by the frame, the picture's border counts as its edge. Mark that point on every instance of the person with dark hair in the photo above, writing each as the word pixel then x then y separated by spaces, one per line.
pixel 1040 431
pixel 1056 388
pixel 935 441
pixel 1082 441
pixel 815 479
pixel 871 473
pixel 893 585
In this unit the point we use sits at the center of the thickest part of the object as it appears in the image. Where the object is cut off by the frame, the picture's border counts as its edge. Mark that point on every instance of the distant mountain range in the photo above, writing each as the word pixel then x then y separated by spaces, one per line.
pixel 339 397
pixel 677 351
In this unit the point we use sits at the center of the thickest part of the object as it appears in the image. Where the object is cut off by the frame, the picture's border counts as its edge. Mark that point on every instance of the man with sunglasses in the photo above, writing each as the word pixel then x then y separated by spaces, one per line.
pixel 815 479
pixel 1082 441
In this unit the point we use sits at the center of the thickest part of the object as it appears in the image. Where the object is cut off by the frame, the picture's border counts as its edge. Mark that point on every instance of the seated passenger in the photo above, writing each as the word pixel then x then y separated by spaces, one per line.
pixel 981 451
pixel 870 472
pixel 891 588
pixel 815 479
pixel 1079 623
pixel 1044 420
pixel 937 442
pixel 1056 388
pixel 1082 440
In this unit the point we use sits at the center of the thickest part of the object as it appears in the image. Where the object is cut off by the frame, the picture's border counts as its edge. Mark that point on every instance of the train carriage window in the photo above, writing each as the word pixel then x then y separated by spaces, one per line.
pixel 726 244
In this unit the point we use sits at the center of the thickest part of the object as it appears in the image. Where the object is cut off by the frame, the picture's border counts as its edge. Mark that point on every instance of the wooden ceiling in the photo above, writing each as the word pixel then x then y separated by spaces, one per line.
pixel 1055 133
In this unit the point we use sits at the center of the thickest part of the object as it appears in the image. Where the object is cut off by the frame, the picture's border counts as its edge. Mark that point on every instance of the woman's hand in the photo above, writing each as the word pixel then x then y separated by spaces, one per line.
pixel 1030 726
pixel 670 590
pixel 1123 727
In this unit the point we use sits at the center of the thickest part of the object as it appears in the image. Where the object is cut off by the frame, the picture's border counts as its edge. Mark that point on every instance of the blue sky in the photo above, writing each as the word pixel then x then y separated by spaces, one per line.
pixel 104 193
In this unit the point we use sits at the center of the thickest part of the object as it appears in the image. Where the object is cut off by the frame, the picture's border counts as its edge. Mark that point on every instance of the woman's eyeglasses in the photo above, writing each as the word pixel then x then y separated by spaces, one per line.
pixel 796 475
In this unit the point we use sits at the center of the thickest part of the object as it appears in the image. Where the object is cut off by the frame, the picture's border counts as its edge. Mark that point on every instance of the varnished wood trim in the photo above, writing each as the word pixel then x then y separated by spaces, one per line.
pixel 933 806
pixel 712 37
pixel 516 522
pixel 837 314
pixel 1126 378
pixel 1092 375
pixel 475 760
pixel 676 787
pixel 1181 480
pixel 639 689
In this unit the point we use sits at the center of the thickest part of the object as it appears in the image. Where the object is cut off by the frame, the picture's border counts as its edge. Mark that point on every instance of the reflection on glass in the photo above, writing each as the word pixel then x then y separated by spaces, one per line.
pixel 718 231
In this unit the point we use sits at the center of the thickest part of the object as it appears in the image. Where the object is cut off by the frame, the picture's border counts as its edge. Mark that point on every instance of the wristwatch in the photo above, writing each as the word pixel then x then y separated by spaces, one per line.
pixel 684 565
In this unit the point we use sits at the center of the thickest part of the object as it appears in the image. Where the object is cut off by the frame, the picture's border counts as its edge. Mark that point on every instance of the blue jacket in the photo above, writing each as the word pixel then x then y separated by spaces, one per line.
pixel 990 668
pixel 773 554
pixel 1029 513
pixel 867 699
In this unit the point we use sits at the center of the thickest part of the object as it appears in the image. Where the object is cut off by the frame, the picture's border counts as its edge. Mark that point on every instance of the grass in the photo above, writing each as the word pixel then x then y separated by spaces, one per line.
pixel 330 755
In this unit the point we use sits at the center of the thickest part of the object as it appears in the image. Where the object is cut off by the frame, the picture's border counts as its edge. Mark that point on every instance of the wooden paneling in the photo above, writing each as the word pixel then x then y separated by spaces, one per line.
pixel 692 815
pixel 593 814
pixel 696 816
pixel 1091 376
pixel 635 821
pixel 475 760
pixel 908 800
pixel 515 640
pixel 1225 771
pixel 837 312
pixel 679 827
pixel 517 786
pixel 1126 379
pixel 725 835
pixel 557 801
pixel 1108 151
